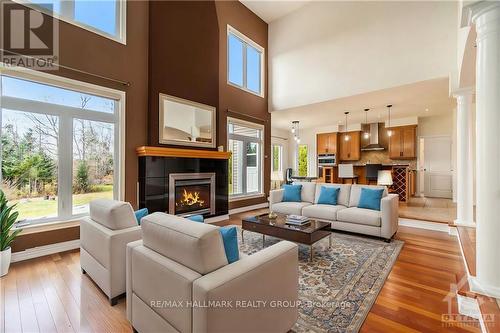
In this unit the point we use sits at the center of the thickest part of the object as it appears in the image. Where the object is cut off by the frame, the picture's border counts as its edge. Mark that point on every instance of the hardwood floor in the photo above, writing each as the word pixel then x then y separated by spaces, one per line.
pixel 429 209
pixel 49 294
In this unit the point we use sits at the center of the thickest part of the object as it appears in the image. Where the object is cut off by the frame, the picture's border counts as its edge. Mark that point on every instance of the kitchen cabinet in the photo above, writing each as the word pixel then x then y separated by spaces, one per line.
pixel 350 150
pixel 326 143
pixel 403 143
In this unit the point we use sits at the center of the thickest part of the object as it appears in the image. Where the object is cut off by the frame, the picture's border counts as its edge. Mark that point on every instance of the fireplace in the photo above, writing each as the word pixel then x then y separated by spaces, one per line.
pixel 191 193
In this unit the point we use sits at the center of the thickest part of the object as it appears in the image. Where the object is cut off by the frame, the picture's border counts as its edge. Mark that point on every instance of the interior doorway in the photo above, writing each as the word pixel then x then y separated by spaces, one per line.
pixel 435 167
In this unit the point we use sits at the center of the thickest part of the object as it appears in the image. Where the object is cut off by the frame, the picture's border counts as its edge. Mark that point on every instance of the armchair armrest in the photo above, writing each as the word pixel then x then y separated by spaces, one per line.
pixel 107 247
pixel 264 279
pixel 389 207
pixel 275 196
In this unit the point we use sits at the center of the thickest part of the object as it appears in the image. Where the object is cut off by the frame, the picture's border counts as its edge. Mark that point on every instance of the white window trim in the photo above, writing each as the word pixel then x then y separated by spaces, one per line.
pixel 117 118
pixel 245 39
pixel 68 6
pixel 260 141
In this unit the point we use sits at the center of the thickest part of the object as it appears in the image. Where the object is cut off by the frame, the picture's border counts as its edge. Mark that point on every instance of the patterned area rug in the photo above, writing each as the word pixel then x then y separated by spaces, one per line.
pixel 338 288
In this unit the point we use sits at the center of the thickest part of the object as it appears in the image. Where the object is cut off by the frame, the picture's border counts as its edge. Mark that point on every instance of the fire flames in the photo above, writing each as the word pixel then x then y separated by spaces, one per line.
pixel 191 199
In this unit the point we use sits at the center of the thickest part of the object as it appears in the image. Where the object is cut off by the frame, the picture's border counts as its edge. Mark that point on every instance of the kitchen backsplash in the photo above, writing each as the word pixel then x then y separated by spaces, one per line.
pixel 382 157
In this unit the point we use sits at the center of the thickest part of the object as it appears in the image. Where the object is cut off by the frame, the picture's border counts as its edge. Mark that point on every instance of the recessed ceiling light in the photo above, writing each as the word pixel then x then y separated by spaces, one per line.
pixel 426 109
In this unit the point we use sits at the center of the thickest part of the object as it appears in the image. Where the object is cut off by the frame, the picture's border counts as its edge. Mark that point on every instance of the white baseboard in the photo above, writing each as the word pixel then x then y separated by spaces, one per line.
pixel 45 250
pixel 442 227
pixel 248 208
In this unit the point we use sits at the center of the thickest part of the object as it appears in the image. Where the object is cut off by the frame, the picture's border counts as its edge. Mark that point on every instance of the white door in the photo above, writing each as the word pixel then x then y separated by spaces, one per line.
pixel 436 166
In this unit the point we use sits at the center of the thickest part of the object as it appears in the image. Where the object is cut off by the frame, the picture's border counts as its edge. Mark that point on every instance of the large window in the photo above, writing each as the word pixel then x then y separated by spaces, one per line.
pixel 302 157
pixel 104 17
pixel 245 164
pixel 277 158
pixel 59 145
pixel 245 62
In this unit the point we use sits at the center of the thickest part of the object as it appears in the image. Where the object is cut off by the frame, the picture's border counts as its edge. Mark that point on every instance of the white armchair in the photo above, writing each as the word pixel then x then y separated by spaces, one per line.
pixel 103 240
pixel 179 268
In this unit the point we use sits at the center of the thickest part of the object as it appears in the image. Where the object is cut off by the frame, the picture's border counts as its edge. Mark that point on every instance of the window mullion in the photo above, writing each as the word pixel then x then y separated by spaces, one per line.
pixel 68 9
pixel 244 65
pixel 65 167
pixel 244 166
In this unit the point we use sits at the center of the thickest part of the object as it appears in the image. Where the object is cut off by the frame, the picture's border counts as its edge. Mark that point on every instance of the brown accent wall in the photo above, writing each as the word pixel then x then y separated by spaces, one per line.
pixel 29 241
pixel 183 55
pixel 87 51
pixel 235 102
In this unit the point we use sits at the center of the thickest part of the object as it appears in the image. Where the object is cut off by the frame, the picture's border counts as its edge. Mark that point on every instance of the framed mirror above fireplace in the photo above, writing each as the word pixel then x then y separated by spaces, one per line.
pixel 191 193
pixel 186 123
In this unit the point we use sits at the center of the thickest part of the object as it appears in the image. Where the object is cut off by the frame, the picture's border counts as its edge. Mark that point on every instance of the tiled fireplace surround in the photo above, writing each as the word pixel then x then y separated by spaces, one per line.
pixel 157 172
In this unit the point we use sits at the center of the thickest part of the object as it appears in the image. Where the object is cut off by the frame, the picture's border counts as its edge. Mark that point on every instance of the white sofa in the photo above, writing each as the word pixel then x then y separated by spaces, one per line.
pixel 103 241
pixel 179 268
pixel 345 215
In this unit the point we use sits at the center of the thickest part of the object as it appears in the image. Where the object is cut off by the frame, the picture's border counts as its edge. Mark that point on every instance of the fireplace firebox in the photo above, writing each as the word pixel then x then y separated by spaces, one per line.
pixel 191 193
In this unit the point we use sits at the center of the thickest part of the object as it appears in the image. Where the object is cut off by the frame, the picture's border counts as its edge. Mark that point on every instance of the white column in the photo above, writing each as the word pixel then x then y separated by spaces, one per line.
pixel 465 204
pixel 486 16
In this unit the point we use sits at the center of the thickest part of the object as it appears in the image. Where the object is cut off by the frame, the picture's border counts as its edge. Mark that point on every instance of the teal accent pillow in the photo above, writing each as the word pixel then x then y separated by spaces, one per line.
pixel 139 214
pixel 230 239
pixel 370 198
pixel 197 218
pixel 292 193
pixel 328 195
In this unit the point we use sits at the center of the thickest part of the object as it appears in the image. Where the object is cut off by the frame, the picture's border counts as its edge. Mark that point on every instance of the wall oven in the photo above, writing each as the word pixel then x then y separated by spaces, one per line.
pixel 326 160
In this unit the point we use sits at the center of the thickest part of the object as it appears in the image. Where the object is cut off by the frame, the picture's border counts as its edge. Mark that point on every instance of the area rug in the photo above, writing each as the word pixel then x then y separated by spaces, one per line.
pixel 338 288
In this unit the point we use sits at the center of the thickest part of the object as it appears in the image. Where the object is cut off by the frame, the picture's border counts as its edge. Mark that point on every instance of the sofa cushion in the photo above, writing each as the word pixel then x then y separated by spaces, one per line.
pixel 370 198
pixel 322 212
pixel 292 193
pixel 356 193
pixel 198 246
pixel 112 214
pixel 360 216
pixel 230 238
pixel 328 195
pixel 308 191
pixel 139 214
pixel 342 198
pixel 294 208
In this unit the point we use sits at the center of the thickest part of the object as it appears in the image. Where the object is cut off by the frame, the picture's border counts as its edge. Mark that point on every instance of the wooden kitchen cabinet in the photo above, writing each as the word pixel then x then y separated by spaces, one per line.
pixel 350 150
pixel 403 143
pixel 326 143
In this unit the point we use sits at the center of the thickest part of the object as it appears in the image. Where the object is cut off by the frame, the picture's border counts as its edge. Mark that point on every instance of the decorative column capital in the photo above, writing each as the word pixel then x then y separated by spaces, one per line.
pixel 473 9
pixel 463 94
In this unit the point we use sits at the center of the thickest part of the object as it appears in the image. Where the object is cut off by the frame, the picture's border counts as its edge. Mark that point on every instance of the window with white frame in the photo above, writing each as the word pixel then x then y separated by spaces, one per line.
pixel 245 142
pixel 59 145
pixel 277 165
pixel 245 62
pixel 104 17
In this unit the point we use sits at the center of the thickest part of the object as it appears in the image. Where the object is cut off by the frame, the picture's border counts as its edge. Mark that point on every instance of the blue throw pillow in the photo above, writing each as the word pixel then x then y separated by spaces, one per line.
pixel 230 239
pixel 292 193
pixel 370 198
pixel 328 195
pixel 139 214
pixel 197 218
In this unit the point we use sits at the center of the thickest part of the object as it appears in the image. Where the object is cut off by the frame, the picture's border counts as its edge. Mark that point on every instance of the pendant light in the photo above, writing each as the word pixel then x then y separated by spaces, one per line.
pixel 389 132
pixel 366 135
pixel 346 136
pixel 295 131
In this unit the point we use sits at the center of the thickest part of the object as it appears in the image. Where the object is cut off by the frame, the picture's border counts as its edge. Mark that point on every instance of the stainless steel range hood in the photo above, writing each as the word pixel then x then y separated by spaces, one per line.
pixel 374 142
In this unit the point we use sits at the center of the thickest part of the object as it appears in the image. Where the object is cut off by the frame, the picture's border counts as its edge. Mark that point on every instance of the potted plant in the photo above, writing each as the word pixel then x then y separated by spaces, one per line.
pixel 7 219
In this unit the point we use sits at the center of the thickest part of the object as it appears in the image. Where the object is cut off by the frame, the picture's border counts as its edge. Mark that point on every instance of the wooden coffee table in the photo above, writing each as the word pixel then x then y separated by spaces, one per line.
pixel 307 234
